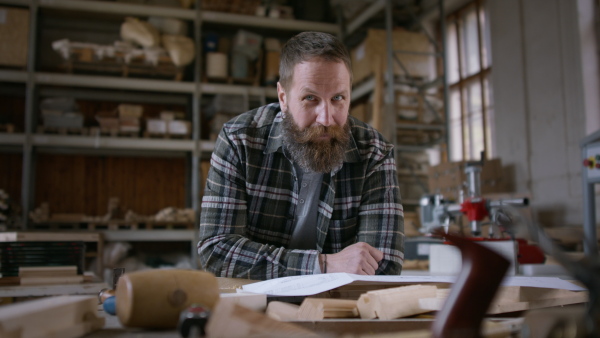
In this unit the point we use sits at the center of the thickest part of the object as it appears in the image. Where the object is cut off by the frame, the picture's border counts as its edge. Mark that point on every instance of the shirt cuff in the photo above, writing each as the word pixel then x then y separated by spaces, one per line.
pixel 317 269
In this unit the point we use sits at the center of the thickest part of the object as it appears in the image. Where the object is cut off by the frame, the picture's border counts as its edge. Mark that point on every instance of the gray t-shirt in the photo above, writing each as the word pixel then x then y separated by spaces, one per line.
pixel 305 220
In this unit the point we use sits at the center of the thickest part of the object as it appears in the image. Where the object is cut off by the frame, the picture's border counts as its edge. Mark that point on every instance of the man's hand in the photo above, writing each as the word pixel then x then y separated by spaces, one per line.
pixel 359 258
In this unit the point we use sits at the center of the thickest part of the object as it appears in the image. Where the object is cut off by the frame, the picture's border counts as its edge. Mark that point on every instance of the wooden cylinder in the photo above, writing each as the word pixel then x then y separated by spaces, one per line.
pixel 155 298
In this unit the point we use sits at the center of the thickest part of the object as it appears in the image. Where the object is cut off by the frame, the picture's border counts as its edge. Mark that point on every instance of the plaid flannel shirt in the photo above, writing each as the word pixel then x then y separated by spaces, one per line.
pixel 251 195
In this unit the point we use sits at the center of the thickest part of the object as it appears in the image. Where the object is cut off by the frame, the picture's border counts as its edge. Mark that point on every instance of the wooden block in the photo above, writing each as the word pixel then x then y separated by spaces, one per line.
pixel 48 271
pixel 63 316
pixel 321 308
pixel 395 302
pixel 252 301
pixel 229 320
pixel 52 280
pixel 282 311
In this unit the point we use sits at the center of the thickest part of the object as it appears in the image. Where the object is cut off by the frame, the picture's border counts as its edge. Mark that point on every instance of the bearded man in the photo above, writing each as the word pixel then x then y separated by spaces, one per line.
pixel 300 187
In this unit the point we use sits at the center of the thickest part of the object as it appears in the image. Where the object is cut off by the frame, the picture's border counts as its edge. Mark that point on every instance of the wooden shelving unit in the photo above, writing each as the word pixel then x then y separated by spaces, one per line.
pixel 38 151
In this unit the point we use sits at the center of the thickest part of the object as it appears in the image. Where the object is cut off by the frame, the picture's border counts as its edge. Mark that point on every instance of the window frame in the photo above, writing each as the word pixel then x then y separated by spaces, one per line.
pixel 455 21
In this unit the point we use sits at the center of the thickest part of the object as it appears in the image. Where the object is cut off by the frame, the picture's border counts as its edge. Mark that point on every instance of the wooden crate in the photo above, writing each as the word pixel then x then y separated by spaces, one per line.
pixel 448 178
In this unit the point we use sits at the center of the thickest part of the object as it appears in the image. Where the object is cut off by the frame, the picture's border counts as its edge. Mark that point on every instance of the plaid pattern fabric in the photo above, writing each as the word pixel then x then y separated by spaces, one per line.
pixel 252 193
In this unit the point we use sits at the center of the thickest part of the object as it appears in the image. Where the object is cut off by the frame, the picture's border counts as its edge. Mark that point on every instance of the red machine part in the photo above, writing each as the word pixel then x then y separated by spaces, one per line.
pixel 475 211
pixel 529 253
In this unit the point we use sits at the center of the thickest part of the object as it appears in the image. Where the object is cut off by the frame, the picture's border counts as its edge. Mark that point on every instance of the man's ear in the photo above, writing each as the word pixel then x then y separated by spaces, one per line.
pixel 281 95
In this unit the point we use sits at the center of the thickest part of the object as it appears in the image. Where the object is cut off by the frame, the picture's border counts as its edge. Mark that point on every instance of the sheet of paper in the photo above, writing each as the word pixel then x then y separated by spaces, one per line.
pixel 313 284
pixel 300 285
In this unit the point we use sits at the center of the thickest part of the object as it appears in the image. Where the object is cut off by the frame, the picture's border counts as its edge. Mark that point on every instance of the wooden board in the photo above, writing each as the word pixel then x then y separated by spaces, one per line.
pixel 63 316
pixel 54 280
pixel 47 271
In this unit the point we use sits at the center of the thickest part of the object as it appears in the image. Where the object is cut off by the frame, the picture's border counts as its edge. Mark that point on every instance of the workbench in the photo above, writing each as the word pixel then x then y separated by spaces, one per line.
pixel 328 327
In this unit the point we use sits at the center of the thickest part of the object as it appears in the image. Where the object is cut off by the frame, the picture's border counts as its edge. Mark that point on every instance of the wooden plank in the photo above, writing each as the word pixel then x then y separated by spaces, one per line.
pixel 21 236
pixel 57 280
pixel 321 308
pixel 395 302
pixel 64 316
pixel 47 271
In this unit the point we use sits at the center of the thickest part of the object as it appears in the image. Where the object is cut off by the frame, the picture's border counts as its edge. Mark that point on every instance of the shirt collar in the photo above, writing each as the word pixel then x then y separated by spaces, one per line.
pixel 275 141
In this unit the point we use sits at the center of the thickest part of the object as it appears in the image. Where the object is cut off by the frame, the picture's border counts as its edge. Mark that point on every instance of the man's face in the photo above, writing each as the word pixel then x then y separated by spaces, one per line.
pixel 316 113
pixel 319 94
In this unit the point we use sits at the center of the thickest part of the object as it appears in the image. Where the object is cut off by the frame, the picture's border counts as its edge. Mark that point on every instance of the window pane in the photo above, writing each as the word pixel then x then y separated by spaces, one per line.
pixel 466 125
pixel 489 99
pixel 470 43
pixel 477 143
pixel 485 30
pixel 475 120
pixel 456 153
pixel 452 52
pixel 455 124
pixel 470 99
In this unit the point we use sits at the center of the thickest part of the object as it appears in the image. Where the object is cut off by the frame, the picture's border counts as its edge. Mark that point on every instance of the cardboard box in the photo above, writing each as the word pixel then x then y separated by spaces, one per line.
pixel 271 70
pixel 172 127
pixel 448 178
pixel 156 126
pixel 179 127
pixel 14 36
pixel 374 47
pixel 130 110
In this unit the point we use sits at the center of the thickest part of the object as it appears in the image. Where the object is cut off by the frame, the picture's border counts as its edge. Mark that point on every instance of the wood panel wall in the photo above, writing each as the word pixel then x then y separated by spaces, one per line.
pixel 12 110
pixel 83 184
pixel 10 175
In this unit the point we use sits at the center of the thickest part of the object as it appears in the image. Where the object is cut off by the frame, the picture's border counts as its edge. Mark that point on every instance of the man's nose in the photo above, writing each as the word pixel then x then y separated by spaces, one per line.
pixel 325 114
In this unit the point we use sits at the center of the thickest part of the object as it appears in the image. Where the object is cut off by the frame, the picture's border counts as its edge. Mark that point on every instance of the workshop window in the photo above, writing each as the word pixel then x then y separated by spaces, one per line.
pixel 471 110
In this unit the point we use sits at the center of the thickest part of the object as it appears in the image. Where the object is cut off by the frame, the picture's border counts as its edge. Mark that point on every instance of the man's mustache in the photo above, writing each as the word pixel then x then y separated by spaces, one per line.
pixel 313 133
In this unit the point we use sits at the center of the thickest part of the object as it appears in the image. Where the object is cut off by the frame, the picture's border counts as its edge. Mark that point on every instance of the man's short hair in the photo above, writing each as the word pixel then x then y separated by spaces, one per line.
pixel 306 46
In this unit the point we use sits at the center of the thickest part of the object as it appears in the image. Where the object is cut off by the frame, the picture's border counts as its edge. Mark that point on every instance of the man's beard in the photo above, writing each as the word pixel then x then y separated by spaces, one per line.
pixel 311 152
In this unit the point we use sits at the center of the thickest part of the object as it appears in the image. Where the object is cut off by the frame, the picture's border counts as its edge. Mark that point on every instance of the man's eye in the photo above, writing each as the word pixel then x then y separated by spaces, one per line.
pixel 309 97
pixel 338 98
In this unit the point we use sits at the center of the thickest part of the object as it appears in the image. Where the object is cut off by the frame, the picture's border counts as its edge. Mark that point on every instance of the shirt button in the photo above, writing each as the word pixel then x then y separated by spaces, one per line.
pixel 304 185
pixel 301 201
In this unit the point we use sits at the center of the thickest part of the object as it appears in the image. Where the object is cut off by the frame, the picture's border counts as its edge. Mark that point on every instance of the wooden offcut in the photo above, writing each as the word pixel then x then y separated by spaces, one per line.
pixel 63 316
pixel 282 311
pixel 321 308
pixel 229 320
pixel 395 302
